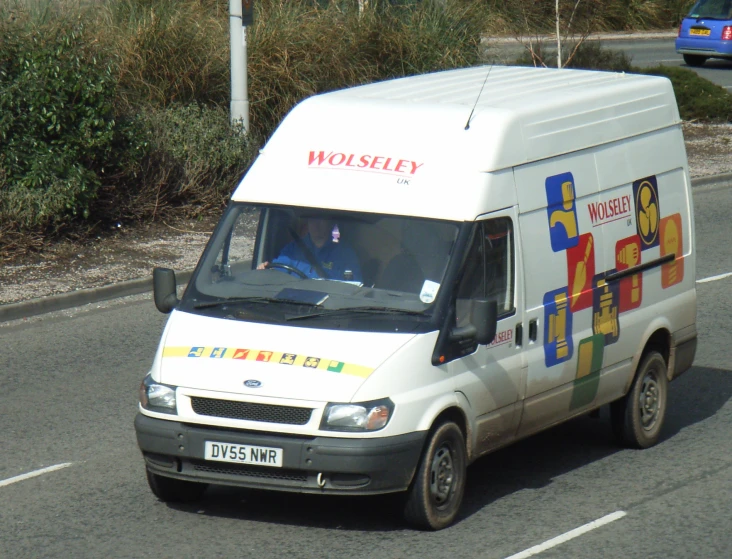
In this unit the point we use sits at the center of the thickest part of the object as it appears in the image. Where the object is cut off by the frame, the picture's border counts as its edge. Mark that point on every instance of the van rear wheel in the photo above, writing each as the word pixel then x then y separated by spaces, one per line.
pixel 171 490
pixel 434 498
pixel 637 418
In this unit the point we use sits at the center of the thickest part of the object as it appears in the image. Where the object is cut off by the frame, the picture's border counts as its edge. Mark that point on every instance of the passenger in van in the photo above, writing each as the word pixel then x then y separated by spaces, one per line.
pixel 319 254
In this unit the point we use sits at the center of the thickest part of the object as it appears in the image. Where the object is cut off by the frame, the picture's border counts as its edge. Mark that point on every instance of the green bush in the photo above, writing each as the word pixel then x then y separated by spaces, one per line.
pixel 697 98
pixel 57 124
pixel 190 159
pixel 168 51
pixel 588 55
pixel 299 49
pixel 118 109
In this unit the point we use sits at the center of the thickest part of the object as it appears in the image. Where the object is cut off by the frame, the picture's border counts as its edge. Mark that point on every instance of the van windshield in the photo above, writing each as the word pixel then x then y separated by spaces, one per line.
pixel 712 9
pixel 323 268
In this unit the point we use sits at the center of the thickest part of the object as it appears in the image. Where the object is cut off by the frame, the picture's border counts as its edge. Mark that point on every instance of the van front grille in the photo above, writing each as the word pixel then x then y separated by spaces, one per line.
pixel 249 471
pixel 266 413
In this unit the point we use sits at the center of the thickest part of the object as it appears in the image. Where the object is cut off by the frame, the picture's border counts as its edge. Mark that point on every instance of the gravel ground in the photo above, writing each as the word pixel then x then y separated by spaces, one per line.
pixel 131 252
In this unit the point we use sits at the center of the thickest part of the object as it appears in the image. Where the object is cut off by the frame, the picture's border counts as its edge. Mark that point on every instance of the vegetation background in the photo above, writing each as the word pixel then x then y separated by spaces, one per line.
pixel 117 110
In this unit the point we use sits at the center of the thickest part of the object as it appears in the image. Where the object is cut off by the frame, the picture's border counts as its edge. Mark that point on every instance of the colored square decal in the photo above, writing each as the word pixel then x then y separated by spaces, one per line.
pixel 217 353
pixel 589 364
pixel 580 271
pixel 558 327
pixel 647 211
pixel 196 352
pixel 240 353
pixel 672 243
pixel 605 302
pixel 627 255
pixel 311 362
pixel 335 366
pixel 264 356
pixel 562 211
pixel 288 358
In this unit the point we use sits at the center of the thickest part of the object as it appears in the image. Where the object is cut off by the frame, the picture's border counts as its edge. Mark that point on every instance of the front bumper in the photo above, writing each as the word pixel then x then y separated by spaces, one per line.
pixel 704 47
pixel 342 466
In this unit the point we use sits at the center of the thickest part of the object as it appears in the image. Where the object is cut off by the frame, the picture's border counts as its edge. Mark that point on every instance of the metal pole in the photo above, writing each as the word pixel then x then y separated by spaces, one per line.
pixel 559 39
pixel 239 99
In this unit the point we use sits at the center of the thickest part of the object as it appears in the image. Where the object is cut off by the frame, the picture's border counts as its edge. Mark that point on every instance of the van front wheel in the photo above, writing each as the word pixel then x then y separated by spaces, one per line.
pixel 171 490
pixel 434 498
pixel 638 417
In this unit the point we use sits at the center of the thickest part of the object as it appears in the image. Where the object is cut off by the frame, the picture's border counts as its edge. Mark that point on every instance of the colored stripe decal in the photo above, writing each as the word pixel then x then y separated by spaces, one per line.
pixel 263 356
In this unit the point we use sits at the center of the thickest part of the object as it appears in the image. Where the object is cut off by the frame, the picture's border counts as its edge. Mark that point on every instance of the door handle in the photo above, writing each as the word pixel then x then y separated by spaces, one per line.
pixel 519 335
pixel 533 328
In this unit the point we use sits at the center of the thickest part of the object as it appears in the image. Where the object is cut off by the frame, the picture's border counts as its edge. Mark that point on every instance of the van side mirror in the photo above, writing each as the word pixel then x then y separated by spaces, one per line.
pixel 164 289
pixel 484 316
pixel 483 323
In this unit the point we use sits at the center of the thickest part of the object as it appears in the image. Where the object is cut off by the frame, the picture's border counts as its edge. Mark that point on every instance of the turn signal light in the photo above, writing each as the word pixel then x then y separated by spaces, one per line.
pixel 727 33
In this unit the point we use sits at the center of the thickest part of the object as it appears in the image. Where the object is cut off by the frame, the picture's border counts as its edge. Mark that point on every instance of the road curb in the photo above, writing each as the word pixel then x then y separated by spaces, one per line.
pixel 64 301
pixel 712 180
pixel 630 36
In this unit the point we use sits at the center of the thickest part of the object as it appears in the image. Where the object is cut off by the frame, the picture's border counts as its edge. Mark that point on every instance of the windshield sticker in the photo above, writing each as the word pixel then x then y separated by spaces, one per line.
pixel 363 162
pixel 275 357
pixel 429 291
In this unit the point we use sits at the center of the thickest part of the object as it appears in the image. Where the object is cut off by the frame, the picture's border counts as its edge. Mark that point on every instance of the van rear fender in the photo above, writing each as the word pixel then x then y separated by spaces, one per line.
pixel 657 337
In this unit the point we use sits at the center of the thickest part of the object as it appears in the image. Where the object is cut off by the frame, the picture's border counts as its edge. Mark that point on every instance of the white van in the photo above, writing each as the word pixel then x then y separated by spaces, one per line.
pixel 417 272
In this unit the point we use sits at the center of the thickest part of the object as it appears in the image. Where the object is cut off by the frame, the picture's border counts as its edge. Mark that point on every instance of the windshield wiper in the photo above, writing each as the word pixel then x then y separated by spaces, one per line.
pixel 238 300
pixel 358 310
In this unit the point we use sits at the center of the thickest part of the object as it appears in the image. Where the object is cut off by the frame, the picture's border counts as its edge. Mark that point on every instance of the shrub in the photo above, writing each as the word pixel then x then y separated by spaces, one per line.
pixel 588 55
pixel 168 51
pixel 57 124
pixel 188 160
pixel 698 98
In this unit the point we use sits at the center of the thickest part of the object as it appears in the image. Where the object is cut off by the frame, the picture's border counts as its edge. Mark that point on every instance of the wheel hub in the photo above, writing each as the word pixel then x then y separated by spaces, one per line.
pixel 649 401
pixel 441 475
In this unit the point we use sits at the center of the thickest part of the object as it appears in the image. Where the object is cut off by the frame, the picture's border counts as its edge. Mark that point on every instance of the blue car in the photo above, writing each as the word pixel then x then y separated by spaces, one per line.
pixel 706 32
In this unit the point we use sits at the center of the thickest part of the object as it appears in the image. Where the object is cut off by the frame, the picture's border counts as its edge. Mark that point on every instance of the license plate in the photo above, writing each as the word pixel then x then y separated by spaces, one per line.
pixel 244 454
pixel 703 32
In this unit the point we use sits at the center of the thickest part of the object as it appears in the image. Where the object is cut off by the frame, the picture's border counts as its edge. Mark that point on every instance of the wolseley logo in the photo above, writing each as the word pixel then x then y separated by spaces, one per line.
pixel 362 162
pixel 609 210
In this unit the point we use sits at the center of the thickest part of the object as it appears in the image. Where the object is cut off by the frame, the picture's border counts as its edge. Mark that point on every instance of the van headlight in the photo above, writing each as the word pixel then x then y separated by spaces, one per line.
pixel 157 397
pixel 365 416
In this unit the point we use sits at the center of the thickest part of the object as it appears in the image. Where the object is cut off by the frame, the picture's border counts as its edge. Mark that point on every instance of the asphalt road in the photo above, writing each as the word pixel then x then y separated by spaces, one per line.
pixel 68 394
pixel 644 53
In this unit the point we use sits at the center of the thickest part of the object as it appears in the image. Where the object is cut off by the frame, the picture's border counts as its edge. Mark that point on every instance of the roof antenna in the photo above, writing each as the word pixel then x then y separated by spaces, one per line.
pixel 467 124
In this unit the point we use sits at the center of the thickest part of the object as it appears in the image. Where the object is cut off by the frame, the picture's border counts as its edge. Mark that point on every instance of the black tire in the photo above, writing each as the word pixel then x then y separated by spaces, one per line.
pixel 695 60
pixel 171 490
pixel 637 418
pixel 434 498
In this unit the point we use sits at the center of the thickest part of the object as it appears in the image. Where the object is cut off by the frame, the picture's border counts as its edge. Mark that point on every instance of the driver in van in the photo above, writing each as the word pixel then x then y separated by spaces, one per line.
pixel 319 254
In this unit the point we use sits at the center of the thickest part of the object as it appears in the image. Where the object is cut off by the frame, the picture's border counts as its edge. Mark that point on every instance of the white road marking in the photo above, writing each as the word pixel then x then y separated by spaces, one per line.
pixel 715 278
pixel 569 535
pixel 35 473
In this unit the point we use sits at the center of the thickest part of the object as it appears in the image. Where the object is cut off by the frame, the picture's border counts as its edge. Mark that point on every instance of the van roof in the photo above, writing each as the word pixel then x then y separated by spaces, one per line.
pixel 558 111
pixel 520 115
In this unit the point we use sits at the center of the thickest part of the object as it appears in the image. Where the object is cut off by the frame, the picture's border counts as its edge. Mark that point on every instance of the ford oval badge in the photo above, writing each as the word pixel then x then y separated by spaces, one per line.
pixel 251 383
